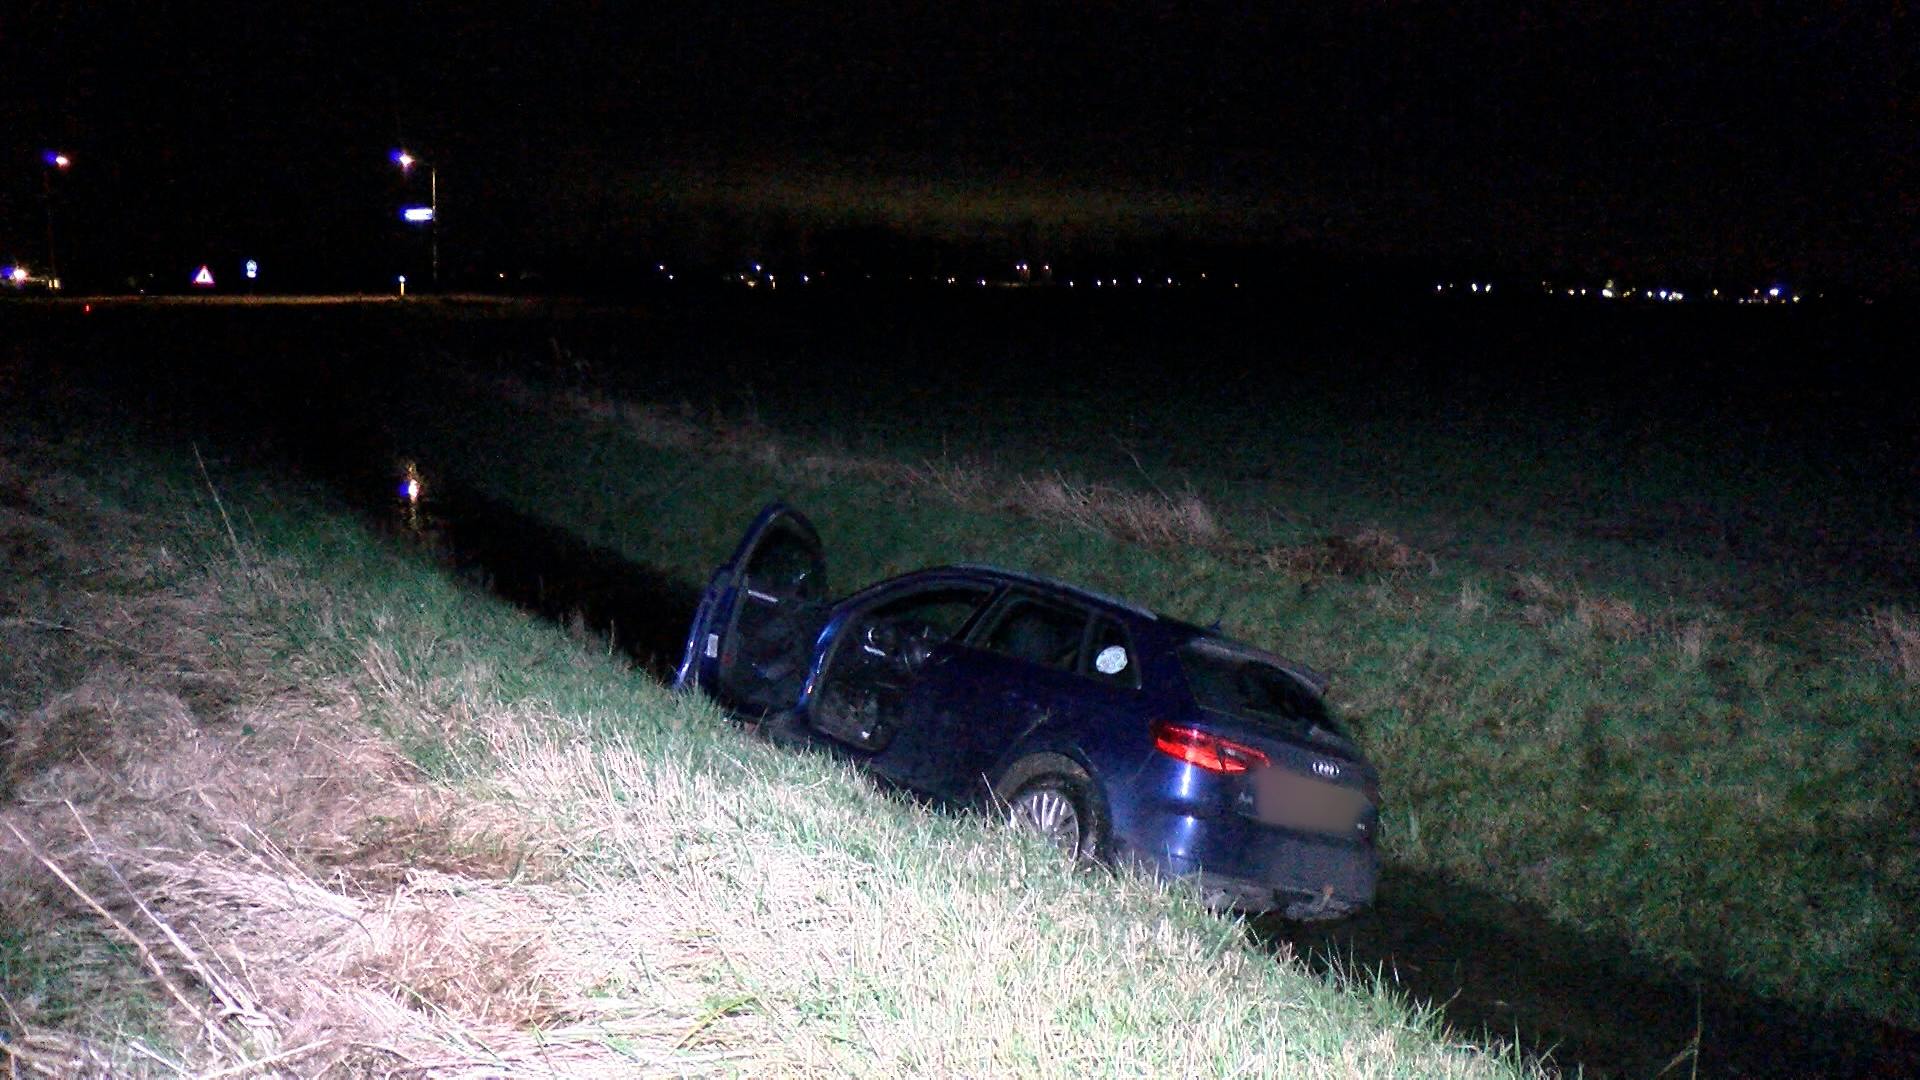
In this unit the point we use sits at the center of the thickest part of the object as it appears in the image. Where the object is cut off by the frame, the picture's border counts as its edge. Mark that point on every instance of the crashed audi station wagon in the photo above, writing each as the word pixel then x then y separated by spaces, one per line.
pixel 1119 734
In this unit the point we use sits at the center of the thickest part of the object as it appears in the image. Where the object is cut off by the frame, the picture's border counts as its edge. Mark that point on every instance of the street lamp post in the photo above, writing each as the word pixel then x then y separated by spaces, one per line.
pixel 406 162
pixel 56 162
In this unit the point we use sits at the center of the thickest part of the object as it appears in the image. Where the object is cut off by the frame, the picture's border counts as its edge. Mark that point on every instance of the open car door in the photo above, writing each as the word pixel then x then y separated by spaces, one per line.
pixel 752 636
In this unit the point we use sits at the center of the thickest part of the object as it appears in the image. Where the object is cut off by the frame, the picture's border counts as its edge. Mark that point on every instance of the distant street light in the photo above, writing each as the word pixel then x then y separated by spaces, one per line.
pixel 56 162
pixel 406 162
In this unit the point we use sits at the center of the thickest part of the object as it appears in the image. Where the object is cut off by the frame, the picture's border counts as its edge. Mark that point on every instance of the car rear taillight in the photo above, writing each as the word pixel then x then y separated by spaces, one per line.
pixel 1210 752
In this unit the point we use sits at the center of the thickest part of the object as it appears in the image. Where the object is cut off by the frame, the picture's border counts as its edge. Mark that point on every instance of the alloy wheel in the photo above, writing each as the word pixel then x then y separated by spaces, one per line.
pixel 1050 813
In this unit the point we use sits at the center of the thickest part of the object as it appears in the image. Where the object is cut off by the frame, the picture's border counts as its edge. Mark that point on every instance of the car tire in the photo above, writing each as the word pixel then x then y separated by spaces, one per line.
pixel 1054 797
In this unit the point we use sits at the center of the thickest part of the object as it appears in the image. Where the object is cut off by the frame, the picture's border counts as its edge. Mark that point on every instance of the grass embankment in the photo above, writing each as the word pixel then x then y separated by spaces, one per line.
pixel 1727 797
pixel 280 797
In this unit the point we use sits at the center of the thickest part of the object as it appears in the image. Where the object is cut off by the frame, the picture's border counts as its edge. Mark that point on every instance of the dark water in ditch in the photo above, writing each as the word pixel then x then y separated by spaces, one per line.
pixel 537 566
pixel 1489 967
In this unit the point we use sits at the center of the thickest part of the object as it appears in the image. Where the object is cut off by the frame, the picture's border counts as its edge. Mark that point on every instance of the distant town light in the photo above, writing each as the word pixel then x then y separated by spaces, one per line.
pixel 57 159
pixel 1607 293
pixel 16 273
pixel 403 159
pixel 1774 292
pixel 416 214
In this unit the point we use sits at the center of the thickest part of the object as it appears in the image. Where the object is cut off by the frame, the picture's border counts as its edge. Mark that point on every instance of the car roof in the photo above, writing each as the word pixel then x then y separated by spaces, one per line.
pixel 1044 582
pixel 1180 631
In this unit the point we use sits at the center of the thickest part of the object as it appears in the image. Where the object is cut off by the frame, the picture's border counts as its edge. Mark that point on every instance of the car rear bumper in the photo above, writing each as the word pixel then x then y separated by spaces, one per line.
pixel 1241 865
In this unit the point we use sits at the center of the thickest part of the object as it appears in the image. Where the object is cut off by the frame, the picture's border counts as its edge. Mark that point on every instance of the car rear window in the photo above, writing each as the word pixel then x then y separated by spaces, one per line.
pixel 1238 681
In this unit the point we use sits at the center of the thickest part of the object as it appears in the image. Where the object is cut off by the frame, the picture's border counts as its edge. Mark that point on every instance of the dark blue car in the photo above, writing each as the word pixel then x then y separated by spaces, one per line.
pixel 1117 733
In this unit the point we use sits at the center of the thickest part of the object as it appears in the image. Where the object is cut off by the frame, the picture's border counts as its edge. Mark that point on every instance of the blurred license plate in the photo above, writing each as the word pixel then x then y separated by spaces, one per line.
pixel 1302 802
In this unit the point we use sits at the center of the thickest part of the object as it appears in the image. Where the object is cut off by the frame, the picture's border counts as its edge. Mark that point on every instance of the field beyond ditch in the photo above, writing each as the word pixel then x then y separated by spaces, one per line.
pixel 1633 652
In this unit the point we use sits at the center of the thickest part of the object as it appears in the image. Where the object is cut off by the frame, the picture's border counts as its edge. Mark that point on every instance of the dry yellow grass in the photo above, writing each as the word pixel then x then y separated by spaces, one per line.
pixel 1893 636
pixel 1571 611
pixel 1156 519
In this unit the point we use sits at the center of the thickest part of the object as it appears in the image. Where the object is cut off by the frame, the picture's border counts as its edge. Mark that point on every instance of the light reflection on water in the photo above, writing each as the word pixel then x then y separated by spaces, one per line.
pixel 412 493
pixel 412 485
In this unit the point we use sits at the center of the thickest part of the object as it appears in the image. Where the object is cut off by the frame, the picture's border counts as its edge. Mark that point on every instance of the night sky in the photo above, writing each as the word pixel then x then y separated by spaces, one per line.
pixel 1625 137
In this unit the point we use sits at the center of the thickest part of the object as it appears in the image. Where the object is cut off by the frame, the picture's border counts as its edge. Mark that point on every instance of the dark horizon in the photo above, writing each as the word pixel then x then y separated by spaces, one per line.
pixel 1638 142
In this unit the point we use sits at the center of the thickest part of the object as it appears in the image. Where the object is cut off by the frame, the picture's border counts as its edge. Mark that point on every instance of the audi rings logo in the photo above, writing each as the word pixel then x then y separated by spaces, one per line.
pixel 1325 769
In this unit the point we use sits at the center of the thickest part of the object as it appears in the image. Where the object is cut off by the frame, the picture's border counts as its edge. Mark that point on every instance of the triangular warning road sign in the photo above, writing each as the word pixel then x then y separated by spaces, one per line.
pixel 204 278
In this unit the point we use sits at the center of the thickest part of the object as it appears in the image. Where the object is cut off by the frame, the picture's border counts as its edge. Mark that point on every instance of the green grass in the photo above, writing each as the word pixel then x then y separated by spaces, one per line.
pixel 1724 791
pixel 593 875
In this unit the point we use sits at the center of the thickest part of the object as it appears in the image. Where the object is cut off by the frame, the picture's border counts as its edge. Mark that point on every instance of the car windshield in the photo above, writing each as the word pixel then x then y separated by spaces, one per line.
pixel 1243 682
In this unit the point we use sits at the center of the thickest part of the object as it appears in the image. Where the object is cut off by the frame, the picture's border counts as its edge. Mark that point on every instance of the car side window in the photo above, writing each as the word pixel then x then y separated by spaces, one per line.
pixel 1037 632
pixel 787 565
pixel 933 615
pixel 1109 657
